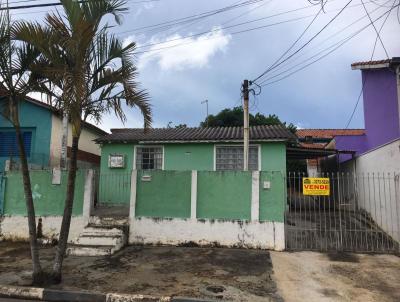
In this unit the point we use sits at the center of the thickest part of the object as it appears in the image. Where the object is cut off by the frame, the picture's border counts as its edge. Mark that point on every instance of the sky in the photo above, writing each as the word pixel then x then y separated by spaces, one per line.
pixel 208 58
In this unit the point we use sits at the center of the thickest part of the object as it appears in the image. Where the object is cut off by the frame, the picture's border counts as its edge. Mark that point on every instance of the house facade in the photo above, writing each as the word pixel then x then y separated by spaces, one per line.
pixel 201 149
pixel 42 130
pixel 381 100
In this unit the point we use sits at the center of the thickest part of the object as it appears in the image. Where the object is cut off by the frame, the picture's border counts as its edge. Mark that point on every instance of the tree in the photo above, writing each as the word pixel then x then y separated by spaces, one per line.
pixel 234 117
pixel 91 73
pixel 15 84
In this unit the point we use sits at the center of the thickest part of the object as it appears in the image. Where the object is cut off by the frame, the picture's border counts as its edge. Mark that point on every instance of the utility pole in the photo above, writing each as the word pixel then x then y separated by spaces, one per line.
pixel 64 141
pixel 206 102
pixel 245 125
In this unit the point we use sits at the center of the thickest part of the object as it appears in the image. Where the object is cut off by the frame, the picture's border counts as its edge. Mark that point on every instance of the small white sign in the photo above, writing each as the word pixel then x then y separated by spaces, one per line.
pixel 116 161
pixel 56 179
pixel 267 185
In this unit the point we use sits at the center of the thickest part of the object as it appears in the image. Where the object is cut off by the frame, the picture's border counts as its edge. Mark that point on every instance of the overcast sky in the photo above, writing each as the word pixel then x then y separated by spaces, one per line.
pixel 181 73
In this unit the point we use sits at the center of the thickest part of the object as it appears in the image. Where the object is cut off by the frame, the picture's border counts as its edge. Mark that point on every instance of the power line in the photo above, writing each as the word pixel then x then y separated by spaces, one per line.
pixel 377 33
pixel 342 42
pixel 222 28
pixel 325 40
pixel 190 18
pixel 54 4
pixel 365 78
pixel 308 42
pixel 295 42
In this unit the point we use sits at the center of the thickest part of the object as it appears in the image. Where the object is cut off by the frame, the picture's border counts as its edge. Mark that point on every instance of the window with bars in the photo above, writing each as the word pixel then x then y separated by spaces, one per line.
pixel 149 158
pixel 9 145
pixel 231 158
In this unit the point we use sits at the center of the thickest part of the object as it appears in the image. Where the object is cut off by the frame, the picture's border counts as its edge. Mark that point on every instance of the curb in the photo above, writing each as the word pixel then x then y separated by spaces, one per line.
pixel 54 295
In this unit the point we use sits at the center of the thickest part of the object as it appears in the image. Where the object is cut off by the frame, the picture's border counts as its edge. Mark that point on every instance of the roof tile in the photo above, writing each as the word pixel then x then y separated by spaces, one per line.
pixel 265 132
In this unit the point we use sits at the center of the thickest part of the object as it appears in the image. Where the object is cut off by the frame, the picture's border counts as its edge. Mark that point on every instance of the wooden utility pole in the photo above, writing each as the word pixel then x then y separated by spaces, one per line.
pixel 245 125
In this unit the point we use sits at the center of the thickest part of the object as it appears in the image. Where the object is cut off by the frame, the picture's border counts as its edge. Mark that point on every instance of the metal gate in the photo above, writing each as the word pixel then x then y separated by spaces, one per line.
pixel 360 214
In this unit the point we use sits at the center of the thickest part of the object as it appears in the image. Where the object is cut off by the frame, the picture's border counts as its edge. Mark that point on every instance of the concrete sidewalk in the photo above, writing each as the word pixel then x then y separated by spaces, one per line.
pixel 312 276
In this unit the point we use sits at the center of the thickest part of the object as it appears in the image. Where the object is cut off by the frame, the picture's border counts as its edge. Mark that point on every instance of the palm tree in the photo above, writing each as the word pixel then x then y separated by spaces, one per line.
pixel 93 72
pixel 15 84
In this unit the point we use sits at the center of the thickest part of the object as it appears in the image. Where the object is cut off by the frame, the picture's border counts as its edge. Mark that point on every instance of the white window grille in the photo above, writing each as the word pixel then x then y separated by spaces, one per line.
pixel 149 158
pixel 231 158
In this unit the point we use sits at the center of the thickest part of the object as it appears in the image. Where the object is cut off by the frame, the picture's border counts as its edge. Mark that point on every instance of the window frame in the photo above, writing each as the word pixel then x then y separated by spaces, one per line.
pixel 237 145
pixel 148 146
pixel 24 130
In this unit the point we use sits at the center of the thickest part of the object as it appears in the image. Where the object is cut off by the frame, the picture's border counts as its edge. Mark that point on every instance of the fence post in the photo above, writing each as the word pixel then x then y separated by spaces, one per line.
pixel 255 195
pixel 88 196
pixel 132 200
pixel 193 196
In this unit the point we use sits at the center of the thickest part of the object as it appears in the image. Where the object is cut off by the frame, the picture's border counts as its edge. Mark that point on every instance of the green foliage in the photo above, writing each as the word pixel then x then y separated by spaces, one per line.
pixel 234 117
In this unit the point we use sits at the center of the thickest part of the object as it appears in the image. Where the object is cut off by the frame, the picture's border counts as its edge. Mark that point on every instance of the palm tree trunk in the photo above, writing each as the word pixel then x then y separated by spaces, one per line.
pixel 37 275
pixel 66 222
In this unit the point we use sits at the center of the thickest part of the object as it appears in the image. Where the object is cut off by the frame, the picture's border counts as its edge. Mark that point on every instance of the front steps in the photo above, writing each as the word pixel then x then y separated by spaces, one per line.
pixel 102 237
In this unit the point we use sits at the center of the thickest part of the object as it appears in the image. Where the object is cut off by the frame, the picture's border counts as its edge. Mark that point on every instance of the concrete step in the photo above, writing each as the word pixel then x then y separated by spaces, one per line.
pixel 95 241
pixel 109 222
pixel 102 232
pixel 90 250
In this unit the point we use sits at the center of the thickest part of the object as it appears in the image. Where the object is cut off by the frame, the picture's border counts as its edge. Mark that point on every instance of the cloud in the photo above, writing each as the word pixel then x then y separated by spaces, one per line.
pixel 193 53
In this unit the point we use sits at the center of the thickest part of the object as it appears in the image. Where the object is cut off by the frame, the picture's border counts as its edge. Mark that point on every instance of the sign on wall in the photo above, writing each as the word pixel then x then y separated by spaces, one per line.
pixel 316 186
pixel 116 161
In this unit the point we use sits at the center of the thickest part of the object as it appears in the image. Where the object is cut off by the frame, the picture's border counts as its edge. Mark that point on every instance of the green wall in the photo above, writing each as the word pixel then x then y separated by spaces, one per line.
pixel 273 200
pixel 38 120
pixel 189 157
pixel 167 194
pixel 193 156
pixel 224 195
pixel 273 156
pixel 48 199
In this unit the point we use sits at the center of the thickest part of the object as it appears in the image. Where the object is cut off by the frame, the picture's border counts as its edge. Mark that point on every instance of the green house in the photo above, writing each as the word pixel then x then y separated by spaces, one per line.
pixel 201 149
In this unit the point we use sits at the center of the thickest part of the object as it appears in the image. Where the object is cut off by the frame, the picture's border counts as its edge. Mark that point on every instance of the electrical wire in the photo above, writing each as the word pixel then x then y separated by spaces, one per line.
pixel 338 46
pixel 365 78
pixel 327 39
pixel 377 33
pixel 308 42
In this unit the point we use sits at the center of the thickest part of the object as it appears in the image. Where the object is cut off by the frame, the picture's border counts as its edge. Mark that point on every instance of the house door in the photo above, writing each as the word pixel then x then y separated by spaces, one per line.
pixel 360 213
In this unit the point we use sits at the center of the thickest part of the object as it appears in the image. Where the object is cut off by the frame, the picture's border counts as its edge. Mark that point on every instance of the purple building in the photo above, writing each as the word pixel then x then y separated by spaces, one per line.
pixel 381 97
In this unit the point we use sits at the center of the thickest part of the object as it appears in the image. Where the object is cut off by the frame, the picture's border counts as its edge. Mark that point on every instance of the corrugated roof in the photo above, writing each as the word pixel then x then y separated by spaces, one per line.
pixel 265 132
pixel 328 133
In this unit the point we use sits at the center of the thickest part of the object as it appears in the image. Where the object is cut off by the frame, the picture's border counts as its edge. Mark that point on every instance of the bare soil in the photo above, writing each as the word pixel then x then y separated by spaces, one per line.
pixel 310 276
pixel 214 273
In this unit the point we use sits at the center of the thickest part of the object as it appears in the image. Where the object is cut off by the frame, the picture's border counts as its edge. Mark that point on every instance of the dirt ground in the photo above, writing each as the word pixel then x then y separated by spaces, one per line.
pixel 212 273
pixel 219 273
pixel 310 276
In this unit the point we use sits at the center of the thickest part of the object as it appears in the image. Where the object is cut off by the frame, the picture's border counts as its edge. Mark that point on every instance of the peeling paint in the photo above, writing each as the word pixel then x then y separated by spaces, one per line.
pixel 216 233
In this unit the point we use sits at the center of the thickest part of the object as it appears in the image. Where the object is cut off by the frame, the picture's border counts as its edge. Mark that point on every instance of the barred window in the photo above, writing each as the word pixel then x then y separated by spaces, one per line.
pixel 149 158
pixel 231 158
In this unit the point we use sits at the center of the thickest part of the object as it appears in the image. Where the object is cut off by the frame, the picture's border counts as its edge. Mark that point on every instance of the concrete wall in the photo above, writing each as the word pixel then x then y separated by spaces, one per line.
pixel 48 198
pixel 378 185
pixel 165 194
pixel 230 208
pixel 38 120
pixel 49 205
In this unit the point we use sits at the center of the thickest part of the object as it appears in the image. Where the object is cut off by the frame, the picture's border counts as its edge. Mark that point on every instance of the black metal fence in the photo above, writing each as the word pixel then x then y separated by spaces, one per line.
pixel 360 214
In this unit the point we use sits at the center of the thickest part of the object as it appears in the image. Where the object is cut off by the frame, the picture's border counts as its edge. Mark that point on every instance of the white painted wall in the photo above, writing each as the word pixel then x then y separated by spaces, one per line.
pixel 16 227
pixel 264 235
pixel 86 142
pixel 378 185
